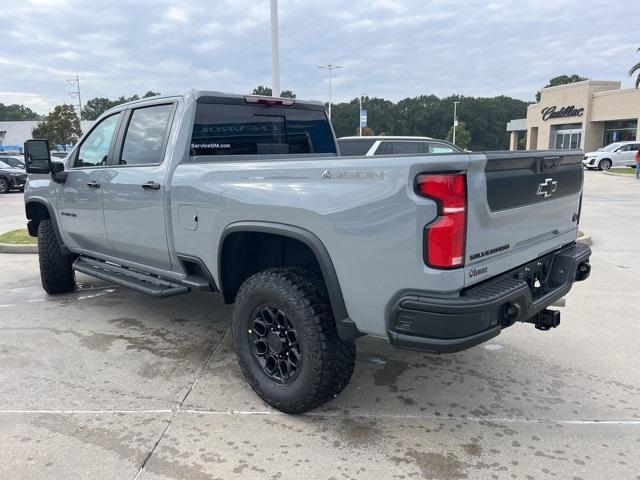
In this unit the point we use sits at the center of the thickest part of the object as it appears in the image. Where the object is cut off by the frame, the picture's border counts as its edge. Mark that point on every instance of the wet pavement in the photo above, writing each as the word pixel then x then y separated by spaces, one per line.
pixel 106 383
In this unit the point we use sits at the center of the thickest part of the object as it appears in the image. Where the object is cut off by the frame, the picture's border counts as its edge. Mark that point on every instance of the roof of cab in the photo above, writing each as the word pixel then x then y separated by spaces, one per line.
pixel 385 137
pixel 211 95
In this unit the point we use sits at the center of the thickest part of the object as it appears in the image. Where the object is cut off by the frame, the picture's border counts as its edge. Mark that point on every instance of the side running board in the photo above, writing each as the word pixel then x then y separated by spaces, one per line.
pixel 142 282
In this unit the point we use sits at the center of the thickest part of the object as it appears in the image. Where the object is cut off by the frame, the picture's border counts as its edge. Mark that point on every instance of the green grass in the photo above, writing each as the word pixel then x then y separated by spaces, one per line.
pixel 18 237
pixel 625 170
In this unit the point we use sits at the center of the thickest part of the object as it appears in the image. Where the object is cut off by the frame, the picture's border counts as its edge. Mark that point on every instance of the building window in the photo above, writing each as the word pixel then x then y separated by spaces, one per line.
pixel 619 131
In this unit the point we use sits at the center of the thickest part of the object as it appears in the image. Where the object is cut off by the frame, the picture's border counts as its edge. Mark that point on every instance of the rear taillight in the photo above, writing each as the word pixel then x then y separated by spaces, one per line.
pixel 444 238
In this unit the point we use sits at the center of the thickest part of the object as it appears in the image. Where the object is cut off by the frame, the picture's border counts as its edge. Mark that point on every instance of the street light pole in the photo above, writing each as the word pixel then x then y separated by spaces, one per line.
pixel 275 51
pixel 360 118
pixel 330 68
pixel 455 120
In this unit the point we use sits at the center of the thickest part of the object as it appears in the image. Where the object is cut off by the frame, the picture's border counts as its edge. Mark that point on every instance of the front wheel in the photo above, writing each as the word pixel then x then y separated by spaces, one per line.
pixel 56 269
pixel 4 185
pixel 604 164
pixel 286 342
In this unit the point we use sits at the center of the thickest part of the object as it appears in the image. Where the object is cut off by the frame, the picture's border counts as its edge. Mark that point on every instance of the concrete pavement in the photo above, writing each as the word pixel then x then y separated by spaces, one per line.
pixel 107 383
pixel 12 214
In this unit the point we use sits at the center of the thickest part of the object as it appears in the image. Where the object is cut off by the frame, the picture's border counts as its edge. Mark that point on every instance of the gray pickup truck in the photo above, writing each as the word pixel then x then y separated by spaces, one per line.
pixel 248 196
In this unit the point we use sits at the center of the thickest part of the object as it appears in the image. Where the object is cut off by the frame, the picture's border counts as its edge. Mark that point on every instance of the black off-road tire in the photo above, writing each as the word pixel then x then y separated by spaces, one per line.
pixel 56 272
pixel 4 185
pixel 326 361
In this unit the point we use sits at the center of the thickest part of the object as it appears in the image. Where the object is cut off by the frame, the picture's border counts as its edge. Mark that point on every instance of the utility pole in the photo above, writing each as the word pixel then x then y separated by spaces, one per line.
pixel 330 68
pixel 455 120
pixel 75 82
pixel 275 51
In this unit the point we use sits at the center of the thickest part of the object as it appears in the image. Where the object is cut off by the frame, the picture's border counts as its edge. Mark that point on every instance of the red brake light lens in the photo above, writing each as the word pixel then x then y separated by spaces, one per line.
pixel 444 239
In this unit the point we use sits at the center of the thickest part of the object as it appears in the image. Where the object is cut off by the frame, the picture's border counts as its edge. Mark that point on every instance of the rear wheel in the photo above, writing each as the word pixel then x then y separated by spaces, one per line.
pixel 604 164
pixel 4 185
pixel 286 341
pixel 56 271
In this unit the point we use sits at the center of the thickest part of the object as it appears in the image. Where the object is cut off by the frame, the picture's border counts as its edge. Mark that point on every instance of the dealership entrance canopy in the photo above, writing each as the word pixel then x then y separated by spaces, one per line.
pixel 586 115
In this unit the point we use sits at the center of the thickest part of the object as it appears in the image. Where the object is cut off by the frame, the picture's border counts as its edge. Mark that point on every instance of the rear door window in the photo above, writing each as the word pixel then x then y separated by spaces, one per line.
pixel 221 129
pixel 144 140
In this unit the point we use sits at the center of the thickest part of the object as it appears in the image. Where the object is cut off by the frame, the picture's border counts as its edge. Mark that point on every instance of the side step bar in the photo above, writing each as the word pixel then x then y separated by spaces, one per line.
pixel 142 282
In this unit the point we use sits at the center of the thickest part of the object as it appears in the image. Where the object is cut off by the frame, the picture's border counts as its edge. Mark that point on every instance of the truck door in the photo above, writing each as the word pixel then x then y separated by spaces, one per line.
pixel 80 197
pixel 134 195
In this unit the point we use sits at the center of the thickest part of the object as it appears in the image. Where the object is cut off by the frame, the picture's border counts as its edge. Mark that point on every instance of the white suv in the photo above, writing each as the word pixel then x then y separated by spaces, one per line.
pixel 619 154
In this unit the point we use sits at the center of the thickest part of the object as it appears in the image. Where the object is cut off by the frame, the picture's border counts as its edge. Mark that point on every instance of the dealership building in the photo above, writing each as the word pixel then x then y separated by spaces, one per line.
pixel 586 115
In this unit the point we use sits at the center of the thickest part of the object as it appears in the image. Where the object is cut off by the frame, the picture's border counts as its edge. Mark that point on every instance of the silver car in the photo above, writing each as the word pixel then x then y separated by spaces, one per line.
pixel 619 154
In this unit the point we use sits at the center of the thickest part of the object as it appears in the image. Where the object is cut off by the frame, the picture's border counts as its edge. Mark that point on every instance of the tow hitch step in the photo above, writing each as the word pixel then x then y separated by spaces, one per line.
pixel 142 282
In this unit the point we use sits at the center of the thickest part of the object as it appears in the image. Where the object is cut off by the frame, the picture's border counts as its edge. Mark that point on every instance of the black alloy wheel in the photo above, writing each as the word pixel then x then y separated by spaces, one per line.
pixel 275 343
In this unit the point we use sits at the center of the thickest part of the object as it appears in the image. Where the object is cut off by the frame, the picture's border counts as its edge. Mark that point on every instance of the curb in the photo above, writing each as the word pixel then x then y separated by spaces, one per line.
pixel 13 248
pixel 613 174
pixel 586 239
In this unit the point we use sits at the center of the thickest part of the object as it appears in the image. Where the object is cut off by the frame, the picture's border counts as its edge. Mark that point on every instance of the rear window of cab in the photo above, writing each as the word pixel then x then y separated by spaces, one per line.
pixel 221 129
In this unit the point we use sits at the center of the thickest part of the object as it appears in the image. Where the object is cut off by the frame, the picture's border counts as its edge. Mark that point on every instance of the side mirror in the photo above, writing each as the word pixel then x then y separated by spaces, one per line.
pixel 37 156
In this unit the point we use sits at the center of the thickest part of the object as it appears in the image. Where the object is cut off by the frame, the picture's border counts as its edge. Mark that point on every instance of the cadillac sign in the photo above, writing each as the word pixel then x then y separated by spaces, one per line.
pixel 570 111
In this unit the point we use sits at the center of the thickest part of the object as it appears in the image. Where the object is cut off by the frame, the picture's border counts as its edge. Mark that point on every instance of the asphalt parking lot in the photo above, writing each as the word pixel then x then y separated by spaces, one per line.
pixel 107 383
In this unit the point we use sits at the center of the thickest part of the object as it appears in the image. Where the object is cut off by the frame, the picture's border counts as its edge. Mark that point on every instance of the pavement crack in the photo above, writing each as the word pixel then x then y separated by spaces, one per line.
pixel 174 413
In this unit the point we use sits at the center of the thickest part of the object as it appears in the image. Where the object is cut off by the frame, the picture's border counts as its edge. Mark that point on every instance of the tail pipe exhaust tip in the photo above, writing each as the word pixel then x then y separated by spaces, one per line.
pixel 583 271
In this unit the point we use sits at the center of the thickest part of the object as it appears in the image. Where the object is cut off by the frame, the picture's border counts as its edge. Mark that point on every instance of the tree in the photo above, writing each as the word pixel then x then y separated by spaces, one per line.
pixel 463 137
pixel 60 127
pixel 562 80
pixel 98 105
pixel 16 112
pixel 266 92
pixel 634 69
pixel 366 132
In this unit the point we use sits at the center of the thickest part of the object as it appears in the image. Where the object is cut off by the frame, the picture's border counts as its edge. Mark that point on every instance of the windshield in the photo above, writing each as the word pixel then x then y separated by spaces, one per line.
pixel 4 165
pixel 609 148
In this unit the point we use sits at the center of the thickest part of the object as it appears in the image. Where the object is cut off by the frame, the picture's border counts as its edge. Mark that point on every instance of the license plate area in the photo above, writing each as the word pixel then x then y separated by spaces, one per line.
pixel 536 274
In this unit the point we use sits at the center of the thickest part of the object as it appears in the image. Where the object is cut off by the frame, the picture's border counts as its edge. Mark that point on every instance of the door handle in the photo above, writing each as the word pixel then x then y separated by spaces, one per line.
pixel 93 184
pixel 151 185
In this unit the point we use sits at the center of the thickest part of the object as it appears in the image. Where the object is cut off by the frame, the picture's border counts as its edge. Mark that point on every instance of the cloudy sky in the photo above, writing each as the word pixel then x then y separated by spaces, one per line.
pixel 388 48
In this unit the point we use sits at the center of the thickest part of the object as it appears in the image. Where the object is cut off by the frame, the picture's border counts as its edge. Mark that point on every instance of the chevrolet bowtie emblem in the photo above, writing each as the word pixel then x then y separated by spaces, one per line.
pixel 548 187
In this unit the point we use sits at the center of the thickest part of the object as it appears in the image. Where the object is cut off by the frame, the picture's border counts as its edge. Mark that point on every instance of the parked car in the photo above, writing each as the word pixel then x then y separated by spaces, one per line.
pixel 619 154
pixel 357 146
pixel 247 196
pixel 13 161
pixel 11 178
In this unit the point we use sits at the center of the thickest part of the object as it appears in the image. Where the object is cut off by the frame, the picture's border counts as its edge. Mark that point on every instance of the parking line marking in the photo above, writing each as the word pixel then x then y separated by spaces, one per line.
pixel 417 417
pixel 178 411
pixel 82 412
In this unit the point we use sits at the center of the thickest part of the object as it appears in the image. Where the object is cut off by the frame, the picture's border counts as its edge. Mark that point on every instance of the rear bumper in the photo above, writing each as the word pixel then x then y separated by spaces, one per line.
pixel 446 325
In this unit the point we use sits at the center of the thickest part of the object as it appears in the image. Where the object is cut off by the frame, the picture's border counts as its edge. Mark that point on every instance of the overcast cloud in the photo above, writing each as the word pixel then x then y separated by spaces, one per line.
pixel 391 49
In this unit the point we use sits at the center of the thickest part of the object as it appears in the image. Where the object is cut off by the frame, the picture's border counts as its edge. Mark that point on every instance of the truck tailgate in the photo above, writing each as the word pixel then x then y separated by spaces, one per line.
pixel 521 205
